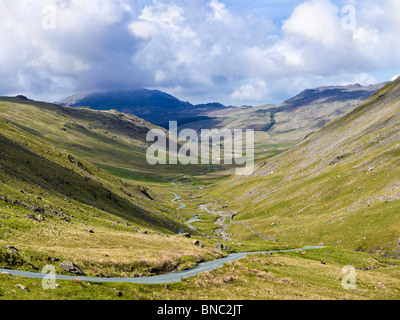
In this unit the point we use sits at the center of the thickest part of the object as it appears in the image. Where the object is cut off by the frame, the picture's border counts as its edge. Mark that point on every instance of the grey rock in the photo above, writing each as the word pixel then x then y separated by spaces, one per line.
pixel 197 243
pixel 22 287
pixel 32 217
pixel 64 218
pixel 71 267
pixel 186 235
pixel 39 210
pixel 11 249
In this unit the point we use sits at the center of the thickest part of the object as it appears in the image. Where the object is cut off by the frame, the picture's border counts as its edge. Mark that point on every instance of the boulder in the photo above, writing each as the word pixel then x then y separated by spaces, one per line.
pixel 186 235
pixel 71 267
pixel 66 219
pixel 32 217
pixel 11 249
pixel 22 287
pixel 39 210
pixel 197 243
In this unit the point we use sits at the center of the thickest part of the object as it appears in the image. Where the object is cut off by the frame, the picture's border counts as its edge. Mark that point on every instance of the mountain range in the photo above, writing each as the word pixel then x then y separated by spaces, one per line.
pixel 286 124
pixel 154 106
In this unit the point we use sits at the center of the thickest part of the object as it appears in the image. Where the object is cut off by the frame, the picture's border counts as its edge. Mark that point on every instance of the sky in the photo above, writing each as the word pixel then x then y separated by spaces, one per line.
pixel 236 52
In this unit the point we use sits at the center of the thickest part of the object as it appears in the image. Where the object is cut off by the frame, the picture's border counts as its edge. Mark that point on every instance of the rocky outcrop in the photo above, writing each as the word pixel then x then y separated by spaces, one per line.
pixel 72 268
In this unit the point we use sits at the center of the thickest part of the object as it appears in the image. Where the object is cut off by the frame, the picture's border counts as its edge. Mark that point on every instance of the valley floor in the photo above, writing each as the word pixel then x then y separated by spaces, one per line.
pixel 315 275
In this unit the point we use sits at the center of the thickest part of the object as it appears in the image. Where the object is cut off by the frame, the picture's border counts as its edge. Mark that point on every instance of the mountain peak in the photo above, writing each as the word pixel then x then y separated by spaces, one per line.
pixel 155 106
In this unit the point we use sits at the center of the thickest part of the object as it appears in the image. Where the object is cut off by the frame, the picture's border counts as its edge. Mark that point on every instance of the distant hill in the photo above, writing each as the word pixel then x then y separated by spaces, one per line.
pixel 291 121
pixel 154 106
pixel 312 109
pixel 281 125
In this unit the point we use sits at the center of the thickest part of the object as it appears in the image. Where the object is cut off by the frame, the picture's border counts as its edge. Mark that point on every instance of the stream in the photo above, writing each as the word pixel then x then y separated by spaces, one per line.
pixel 170 277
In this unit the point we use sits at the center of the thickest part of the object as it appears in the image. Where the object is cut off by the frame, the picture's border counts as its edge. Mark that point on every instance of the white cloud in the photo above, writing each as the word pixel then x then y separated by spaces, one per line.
pixel 219 10
pixel 315 21
pixel 250 92
pixel 200 50
pixel 156 18
pixel 395 77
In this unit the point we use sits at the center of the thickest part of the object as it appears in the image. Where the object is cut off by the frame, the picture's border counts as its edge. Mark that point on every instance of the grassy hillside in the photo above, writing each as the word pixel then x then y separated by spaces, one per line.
pixel 110 139
pixel 339 187
pixel 55 206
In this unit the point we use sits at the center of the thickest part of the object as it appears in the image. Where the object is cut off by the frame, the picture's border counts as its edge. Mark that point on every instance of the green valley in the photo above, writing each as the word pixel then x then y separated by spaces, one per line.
pixel 75 186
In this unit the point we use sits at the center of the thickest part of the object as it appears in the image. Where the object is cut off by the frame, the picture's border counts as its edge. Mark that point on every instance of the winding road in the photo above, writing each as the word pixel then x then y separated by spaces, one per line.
pixel 174 276
pixel 162 279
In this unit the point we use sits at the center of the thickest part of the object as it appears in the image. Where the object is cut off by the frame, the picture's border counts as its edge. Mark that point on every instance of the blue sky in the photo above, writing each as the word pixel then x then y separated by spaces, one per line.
pixel 233 51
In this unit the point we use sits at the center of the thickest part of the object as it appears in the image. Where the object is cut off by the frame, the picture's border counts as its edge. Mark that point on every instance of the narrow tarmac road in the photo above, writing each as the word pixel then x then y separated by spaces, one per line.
pixel 162 279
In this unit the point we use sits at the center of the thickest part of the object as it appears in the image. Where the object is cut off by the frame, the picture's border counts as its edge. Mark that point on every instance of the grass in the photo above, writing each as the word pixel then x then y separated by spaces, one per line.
pixel 75 196
pixel 299 276
pixel 109 139
pixel 338 187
